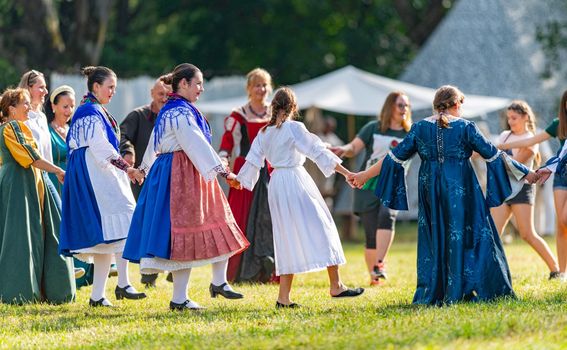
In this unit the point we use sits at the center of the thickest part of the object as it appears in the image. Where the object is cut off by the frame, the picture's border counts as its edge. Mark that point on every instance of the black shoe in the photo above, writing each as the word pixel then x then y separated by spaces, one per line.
pixel 122 293
pixel 288 306
pixel 183 306
pixel 215 290
pixel 349 293
pixel 149 280
pixel 554 275
pixel 169 277
pixel 100 302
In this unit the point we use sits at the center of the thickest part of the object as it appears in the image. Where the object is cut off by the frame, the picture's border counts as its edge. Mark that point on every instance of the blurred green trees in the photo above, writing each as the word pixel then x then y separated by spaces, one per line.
pixel 293 39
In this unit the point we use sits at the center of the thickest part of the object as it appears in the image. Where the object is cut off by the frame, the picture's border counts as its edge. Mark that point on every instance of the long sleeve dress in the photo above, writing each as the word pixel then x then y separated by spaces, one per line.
pixel 250 208
pixel 59 156
pixel 459 253
pixel 182 218
pixel 97 201
pixel 31 268
pixel 305 235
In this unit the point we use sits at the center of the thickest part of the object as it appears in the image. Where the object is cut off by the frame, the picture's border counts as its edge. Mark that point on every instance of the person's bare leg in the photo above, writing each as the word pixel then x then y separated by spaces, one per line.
pixel 285 289
pixel 501 215
pixel 560 197
pixel 336 286
pixel 524 214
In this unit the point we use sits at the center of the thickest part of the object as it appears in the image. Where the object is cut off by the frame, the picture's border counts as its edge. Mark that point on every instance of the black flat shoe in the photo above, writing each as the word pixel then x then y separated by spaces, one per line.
pixel 216 290
pixel 183 306
pixel 122 293
pixel 100 302
pixel 349 293
pixel 288 306
pixel 149 280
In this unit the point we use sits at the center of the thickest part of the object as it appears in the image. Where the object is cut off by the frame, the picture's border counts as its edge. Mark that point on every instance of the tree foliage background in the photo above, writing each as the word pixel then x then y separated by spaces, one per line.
pixel 293 39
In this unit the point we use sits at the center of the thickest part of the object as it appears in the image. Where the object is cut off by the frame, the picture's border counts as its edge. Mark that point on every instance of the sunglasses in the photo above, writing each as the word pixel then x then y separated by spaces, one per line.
pixel 517 108
pixel 32 76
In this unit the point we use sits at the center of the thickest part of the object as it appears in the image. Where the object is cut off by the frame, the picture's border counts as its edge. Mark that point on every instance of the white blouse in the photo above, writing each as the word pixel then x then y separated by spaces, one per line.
pixel 37 123
pixel 286 147
pixel 182 133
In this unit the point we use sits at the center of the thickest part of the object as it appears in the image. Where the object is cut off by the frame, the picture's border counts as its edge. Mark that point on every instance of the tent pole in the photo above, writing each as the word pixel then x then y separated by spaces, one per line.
pixel 349 225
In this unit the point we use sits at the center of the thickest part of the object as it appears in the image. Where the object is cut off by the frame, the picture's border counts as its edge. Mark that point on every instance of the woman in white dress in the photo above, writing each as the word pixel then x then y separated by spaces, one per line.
pixel 97 200
pixel 305 235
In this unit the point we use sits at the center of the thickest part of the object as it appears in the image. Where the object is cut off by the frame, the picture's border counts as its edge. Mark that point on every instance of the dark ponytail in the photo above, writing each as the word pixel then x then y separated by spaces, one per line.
pixel 96 75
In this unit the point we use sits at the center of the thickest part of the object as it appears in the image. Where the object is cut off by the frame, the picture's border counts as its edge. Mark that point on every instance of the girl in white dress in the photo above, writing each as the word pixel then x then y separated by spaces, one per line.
pixel 305 235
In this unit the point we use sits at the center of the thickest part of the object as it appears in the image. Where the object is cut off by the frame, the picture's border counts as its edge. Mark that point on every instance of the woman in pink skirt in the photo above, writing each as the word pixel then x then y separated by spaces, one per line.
pixel 182 218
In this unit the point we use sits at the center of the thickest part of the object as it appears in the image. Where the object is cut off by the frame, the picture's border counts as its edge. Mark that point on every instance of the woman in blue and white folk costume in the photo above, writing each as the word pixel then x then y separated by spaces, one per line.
pixel 459 253
pixel 182 218
pixel 97 201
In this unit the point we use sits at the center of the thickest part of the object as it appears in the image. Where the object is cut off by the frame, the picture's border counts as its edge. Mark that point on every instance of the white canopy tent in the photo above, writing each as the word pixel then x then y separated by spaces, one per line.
pixel 352 91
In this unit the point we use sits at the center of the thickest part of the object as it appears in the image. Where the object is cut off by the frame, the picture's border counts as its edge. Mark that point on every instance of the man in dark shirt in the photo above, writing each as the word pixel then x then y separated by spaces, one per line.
pixel 135 133
pixel 136 129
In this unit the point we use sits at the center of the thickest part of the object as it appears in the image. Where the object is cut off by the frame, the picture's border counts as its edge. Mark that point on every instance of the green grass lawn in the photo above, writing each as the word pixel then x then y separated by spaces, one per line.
pixel 382 317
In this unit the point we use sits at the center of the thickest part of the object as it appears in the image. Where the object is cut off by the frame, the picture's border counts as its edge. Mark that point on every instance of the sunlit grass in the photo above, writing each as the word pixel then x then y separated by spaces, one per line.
pixel 381 318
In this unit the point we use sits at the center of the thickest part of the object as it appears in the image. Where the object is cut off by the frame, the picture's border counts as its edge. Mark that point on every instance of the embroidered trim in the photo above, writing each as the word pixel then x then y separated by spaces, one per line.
pixel 493 158
pixel 394 158
pixel 120 163
pixel 222 170
pixel 440 144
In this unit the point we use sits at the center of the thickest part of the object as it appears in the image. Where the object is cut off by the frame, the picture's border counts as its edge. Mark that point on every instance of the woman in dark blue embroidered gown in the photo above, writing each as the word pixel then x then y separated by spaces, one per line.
pixel 459 254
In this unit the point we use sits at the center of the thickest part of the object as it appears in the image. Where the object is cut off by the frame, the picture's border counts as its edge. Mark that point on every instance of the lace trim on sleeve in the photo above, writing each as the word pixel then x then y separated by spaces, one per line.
pixel 395 159
pixel 493 158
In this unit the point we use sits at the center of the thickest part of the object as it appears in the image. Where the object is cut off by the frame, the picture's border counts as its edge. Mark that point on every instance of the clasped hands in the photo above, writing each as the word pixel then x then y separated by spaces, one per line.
pixel 136 175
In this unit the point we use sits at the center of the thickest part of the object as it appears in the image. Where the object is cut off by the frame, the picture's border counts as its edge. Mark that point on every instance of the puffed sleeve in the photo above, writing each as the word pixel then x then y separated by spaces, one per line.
pixel 504 175
pixel 250 171
pixel 196 146
pixel 313 148
pixel 99 147
pixel 391 185
pixel 231 133
pixel 20 143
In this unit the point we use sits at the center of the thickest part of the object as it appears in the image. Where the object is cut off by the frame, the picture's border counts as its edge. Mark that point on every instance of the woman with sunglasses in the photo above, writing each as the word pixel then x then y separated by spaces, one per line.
pixel 521 124
pixel 377 138
pixel 558 129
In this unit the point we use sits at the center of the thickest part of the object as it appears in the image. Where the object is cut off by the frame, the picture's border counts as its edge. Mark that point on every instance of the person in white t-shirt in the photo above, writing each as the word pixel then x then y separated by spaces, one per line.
pixel 521 121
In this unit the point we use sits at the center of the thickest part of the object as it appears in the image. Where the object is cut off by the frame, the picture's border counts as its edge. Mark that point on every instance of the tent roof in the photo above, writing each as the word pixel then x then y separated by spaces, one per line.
pixel 350 90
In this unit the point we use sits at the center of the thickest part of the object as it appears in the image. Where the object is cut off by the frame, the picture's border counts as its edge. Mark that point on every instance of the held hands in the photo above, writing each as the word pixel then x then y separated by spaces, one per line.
pixel 232 182
pixel 136 175
pixel 358 179
pixel 542 175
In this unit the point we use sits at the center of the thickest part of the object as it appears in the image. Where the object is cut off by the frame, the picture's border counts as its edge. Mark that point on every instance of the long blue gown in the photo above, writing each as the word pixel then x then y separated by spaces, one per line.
pixel 459 253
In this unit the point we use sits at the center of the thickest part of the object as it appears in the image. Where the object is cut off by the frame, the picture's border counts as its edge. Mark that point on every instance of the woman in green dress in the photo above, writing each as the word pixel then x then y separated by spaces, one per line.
pixel 31 268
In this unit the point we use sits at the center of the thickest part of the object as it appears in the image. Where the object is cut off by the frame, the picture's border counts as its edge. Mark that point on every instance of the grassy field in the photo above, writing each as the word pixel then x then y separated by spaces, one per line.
pixel 382 318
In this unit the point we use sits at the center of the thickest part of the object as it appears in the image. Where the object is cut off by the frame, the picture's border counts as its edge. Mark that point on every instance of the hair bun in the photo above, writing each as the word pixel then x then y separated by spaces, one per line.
pixel 167 78
pixel 87 70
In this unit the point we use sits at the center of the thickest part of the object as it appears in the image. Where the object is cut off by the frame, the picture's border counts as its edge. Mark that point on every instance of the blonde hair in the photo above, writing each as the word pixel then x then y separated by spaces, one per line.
pixel 258 74
pixel 387 112
pixel 283 104
pixel 11 98
pixel 446 97
pixel 523 108
pixel 30 78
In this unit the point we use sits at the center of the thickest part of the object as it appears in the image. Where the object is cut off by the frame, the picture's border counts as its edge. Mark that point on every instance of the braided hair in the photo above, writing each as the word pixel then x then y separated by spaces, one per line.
pixel 283 107
pixel 446 97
